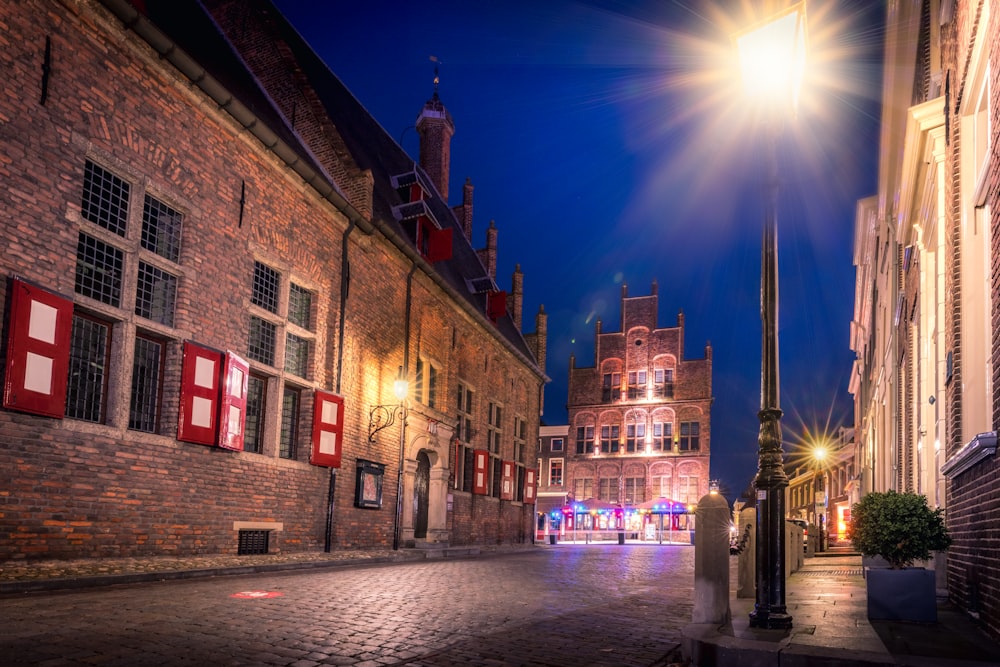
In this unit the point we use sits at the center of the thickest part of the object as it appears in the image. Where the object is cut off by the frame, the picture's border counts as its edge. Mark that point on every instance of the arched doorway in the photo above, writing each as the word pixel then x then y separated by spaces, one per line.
pixel 421 495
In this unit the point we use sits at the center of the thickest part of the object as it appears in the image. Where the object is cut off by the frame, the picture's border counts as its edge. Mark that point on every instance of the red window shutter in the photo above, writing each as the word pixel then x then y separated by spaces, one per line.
pixel 481 469
pixel 416 192
pixel 438 245
pixel 530 485
pixel 328 429
pixel 38 341
pixel 507 480
pixel 496 304
pixel 199 413
pixel 233 412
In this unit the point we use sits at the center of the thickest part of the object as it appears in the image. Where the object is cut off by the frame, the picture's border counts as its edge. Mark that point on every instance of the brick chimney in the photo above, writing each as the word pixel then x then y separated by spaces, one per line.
pixel 463 212
pixel 488 255
pixel 516 301
pixel 436 128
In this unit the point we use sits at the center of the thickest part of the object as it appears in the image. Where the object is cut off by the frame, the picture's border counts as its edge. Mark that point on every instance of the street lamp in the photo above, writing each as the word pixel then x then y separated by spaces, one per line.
pixel 384 416
pixel 821 457
pixel 772 57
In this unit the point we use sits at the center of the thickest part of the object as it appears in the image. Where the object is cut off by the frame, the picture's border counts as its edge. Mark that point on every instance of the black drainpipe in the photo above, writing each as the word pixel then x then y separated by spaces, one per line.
pixel 345 288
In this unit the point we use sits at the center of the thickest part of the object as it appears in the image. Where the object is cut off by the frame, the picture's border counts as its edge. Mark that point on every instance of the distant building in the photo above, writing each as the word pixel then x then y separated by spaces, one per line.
pixel 553 493
pixel 639 418
pixel 926 380
pixel 216 265
pixel 821 491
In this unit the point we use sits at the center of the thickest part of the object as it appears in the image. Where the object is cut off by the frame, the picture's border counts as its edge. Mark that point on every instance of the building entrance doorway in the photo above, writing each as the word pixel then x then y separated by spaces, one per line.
pixel 421 493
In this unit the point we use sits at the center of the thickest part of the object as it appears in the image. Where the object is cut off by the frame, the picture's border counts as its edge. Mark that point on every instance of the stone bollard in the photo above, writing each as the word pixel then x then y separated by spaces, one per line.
pixel 746 585
pixel 711 561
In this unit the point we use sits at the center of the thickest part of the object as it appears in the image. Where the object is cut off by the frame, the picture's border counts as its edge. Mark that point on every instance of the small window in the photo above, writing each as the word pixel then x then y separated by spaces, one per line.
pixel 557 444
pixel 556 472
pixel 90 348
pixel 147 380
pixel 265 287
pixel 253 428
pixel 296 355
pixel 689 436
pixel 300 306
pixel 425 385
pixel 288 446
pixel 105 199
pixel 494 417
pixel 464 406
pixel 155 295
pixel 585 440
pixel 99 270
pixel 262 338
pixel 161 229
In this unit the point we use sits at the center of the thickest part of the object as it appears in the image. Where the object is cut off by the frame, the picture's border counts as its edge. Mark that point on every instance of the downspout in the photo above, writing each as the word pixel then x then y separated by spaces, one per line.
pixel 345 288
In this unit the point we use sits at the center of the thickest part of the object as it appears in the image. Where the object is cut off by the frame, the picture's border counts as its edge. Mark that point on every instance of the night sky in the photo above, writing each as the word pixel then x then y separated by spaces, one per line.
pixel 609 143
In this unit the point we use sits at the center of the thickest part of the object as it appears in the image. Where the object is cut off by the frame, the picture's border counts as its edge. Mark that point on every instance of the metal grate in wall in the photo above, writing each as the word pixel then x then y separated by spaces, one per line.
pixel 252 542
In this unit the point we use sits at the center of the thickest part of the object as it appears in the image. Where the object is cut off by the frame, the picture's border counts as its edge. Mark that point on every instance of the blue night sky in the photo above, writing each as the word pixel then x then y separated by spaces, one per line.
pixel 608 142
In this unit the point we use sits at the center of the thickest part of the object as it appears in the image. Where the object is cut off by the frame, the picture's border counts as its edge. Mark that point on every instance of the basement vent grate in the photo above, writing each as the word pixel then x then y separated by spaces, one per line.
pixel 849 571
pixel 252 542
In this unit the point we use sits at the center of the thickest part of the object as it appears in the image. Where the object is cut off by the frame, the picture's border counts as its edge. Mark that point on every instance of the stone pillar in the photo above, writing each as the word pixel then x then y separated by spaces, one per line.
pixel 711 561
pixel 746 586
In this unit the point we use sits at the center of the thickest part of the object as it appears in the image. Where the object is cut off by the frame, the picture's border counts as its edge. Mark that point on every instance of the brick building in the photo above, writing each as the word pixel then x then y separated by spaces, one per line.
pixel 640 417
pixel 927 299
pixel 217 264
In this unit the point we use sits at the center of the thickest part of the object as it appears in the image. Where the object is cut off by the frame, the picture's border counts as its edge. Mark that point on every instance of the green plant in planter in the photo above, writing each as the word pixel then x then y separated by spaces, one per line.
pixel 899 527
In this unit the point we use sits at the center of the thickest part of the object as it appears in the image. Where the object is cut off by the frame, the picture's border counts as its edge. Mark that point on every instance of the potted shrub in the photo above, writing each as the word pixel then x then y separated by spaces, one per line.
pixel 902 529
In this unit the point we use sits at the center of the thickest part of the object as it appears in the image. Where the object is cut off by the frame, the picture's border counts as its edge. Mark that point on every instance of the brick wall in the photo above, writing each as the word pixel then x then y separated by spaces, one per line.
pixel 78 489
pixel 972 512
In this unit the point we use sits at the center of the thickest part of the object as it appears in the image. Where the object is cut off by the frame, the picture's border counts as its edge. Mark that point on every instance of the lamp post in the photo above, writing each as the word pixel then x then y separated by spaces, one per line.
pixel 384 416
pixel 772 55
pixel 821 455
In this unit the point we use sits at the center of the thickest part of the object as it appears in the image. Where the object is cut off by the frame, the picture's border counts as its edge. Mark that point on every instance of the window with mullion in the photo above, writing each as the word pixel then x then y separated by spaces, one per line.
pixel 689 436
pixel 519 438
pixel 464 407
pixel 611 438
pixel 635 436
pixel 635 490
pixel 494 416
pixel 584 439
pixel 555 472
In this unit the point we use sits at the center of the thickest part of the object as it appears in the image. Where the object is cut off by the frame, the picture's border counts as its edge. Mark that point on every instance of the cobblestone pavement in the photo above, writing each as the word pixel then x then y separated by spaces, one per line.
pixel 569 605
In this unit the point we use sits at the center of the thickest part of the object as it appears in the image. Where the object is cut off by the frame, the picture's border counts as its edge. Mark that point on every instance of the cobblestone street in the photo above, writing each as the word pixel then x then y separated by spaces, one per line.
pixel 568 605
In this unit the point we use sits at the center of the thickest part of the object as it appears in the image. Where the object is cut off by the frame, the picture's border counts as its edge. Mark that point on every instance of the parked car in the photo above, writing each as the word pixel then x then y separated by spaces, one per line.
pixel 805 530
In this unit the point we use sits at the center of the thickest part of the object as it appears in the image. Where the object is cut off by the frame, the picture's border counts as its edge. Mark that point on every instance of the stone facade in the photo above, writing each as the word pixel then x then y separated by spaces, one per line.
pixel 927 305
pixel 215 269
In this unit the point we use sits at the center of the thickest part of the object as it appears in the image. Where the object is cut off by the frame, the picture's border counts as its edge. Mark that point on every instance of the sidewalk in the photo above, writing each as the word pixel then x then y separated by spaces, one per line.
pixel 830 627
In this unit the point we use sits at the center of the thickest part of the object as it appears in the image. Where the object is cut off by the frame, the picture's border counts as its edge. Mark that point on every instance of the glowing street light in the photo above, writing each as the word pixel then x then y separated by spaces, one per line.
pixel 772 61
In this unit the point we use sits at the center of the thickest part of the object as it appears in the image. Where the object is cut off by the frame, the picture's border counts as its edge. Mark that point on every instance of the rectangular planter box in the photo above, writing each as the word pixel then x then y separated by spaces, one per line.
pixel 902 595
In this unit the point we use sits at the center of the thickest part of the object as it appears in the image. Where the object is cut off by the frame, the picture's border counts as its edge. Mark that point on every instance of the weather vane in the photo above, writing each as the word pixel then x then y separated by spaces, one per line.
pixel 437 79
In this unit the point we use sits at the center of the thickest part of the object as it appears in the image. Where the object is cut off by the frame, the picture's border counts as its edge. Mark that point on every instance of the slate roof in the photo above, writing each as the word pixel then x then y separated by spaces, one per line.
pixel 189 24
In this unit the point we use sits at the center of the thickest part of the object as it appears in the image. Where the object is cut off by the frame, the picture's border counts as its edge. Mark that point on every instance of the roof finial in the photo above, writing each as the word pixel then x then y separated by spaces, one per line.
pixel 437 79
